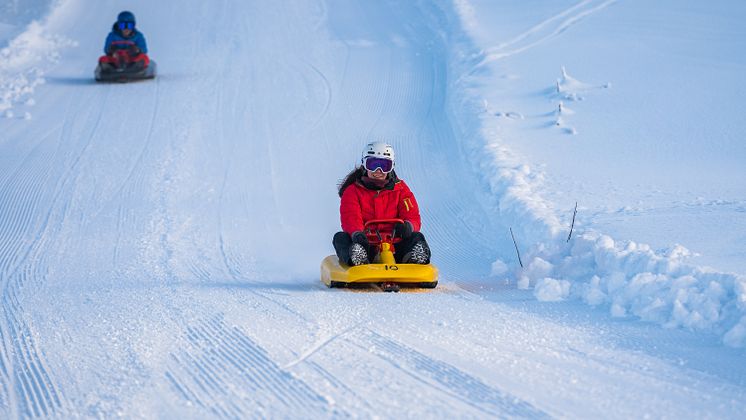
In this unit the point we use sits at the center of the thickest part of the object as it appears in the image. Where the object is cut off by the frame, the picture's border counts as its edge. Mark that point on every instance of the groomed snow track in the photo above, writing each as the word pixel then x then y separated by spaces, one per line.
pixel 160 241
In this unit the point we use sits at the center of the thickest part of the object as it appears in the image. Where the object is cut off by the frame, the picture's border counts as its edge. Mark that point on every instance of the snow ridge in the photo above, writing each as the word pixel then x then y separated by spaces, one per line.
pixel 22 66
pixel 630 279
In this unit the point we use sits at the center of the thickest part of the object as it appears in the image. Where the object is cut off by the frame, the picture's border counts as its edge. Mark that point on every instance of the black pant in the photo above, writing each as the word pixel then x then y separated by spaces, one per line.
pixel 342 242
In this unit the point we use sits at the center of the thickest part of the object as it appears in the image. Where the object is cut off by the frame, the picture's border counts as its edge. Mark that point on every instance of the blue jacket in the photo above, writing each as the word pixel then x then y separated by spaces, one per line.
pixel 115 36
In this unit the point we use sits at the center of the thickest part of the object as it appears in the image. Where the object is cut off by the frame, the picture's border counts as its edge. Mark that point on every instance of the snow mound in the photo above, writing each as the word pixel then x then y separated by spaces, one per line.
pixel 634 280
pixel 572 89
pixel 568 88
pixel 552 290
pixel 22 66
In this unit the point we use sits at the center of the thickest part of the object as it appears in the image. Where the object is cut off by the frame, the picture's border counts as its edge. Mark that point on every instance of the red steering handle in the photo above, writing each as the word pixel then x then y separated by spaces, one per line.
pixel 381 230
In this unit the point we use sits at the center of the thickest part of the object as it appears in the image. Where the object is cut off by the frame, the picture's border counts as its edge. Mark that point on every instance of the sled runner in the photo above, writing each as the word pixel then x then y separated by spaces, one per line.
pixel 384 271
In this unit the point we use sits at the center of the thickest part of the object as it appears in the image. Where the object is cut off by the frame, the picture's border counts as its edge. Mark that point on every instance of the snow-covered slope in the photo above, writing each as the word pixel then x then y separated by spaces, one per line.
pixel 642 167
pixel 160 241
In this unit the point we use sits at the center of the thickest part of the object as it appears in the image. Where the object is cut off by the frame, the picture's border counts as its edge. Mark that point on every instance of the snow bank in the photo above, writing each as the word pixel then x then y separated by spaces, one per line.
pixel 22 65
pixel 630 279
pixel 633 280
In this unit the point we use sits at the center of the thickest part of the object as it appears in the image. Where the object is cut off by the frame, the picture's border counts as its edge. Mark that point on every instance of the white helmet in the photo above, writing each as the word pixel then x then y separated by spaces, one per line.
pixel 378 149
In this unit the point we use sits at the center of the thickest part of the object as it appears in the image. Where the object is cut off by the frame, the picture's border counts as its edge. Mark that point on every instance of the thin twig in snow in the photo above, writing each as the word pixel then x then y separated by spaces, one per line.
pixel 516 248
pixel 573 221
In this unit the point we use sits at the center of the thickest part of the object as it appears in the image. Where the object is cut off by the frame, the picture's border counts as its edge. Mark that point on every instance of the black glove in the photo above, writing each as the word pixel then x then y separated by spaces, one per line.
pixel 134 50
pixel 360 238
pixel 110 50
pixel 404 230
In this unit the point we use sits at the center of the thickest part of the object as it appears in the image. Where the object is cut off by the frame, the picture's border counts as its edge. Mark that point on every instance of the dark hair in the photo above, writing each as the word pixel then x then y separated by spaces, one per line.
pixel 350 179
pixel 357 174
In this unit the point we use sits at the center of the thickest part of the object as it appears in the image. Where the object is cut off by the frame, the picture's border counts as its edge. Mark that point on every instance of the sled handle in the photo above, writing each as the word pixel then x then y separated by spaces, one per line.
pixel 383 221
pixel 375 236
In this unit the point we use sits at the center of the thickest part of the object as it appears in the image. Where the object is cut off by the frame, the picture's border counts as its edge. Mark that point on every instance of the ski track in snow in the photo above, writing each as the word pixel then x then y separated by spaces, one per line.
pixel 545 30
pixel 24 265
pixel 232 376
pixel 462 385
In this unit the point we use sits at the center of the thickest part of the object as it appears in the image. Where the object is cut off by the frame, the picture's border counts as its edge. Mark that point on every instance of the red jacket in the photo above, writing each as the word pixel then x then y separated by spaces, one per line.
pixel 360 204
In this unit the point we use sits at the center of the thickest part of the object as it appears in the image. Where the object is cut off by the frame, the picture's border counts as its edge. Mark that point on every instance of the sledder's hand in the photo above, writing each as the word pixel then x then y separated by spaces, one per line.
pixel 360 238
pixel 404 230
pixel 134 50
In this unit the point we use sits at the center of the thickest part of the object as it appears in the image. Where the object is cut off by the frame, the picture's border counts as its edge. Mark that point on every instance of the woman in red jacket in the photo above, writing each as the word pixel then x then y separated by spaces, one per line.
pixel 373 191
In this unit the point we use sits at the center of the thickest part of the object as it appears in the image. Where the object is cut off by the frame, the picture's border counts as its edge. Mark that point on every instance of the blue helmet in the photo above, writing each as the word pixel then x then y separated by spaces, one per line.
pixel 126 16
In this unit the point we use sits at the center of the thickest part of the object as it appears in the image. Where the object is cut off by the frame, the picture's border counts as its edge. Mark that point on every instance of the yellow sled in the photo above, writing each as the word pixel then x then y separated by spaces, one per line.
pixel 385 271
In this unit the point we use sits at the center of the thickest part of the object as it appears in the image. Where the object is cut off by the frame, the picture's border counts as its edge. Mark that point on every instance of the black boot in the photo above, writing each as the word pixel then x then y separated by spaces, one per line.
pixel 352 252
pixel 413 250
pixel 358 255
pixel 420 254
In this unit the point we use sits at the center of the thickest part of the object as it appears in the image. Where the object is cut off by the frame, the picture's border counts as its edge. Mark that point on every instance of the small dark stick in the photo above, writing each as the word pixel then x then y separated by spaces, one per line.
pixel 516 248
pixel 573 221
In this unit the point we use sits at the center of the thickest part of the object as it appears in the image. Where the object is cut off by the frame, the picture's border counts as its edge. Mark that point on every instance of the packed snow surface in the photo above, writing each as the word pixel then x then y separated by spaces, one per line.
pixel 160 241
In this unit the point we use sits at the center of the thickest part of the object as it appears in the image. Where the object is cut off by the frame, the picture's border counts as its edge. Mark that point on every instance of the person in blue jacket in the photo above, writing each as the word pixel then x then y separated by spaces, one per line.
pixel 124 37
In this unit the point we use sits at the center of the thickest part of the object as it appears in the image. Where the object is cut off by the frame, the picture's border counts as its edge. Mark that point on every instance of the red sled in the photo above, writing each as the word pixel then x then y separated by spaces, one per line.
pixel 122 66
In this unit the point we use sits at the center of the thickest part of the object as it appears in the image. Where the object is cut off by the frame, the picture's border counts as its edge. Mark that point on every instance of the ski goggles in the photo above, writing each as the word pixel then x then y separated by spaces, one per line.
pixel 374 163
pixel 126 25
